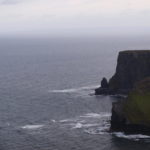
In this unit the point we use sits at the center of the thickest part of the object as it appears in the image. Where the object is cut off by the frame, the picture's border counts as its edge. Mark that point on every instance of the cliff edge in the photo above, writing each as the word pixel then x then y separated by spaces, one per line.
pixel 132 66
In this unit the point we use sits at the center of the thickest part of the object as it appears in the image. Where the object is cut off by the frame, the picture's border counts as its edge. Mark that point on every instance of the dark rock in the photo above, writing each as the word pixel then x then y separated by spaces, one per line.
pixel 104 83
pixel 132 115
pixel 104 89
pixel 118 120
pixel 132 66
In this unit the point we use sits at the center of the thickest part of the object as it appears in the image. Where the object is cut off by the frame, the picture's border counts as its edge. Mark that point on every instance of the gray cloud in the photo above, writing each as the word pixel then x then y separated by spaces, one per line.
pixel 74 16
pixel 9 2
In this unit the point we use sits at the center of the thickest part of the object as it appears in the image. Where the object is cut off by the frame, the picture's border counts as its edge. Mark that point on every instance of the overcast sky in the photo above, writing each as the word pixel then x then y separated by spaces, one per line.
pixel 74 17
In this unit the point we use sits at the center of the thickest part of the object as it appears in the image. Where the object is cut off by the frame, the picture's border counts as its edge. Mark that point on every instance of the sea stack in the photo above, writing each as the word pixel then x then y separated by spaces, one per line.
pixel 132 67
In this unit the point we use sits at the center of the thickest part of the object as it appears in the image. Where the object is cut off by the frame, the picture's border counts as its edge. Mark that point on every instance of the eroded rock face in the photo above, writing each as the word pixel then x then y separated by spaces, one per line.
pixel 132 115
pixel 104 89
pixel 104 83
pixel 118 120
pixel 132 66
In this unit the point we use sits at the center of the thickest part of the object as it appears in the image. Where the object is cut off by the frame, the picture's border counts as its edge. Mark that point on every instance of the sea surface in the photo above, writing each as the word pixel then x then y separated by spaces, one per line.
pixel 46 94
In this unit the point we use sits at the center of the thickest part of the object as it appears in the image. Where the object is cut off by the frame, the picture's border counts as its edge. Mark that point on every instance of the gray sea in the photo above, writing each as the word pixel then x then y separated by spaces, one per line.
pixel 46 94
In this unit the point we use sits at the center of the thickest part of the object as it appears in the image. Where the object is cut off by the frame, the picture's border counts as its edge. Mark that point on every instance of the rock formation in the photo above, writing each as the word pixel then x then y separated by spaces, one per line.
pixel 132 115
pixel 104 89
pixel 132 66
pixel 132 77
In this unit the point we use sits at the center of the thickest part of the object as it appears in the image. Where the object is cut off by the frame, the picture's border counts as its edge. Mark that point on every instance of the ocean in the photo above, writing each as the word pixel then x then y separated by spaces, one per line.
pixel 46 94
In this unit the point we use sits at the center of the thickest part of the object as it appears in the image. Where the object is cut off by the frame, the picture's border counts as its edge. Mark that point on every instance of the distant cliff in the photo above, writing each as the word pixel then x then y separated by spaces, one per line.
pixel 132 66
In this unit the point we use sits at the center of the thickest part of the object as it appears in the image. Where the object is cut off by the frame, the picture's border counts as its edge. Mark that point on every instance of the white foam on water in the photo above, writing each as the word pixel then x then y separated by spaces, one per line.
pixel 135 137
pixel 95 115
pixel 74 90
pixel 32 127
pixel 95 132
pixel 78 126
pixel 67 120
pixel 100 129
pixel 53 120
pixel 81 125
pixel 87 120
pixel 91 123
pixel 64 91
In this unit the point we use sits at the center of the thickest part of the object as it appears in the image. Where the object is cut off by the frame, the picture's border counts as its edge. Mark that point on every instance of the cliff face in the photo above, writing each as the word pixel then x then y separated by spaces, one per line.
pixel 132 77
pixel 132 66
pixel 138 103
pixel 133 114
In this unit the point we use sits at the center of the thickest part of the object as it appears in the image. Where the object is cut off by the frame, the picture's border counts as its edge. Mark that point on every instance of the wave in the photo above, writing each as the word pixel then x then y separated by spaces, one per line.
pixel 86 116
pixel 67 120
pixel 95 115
pixel 54 121
pixel 74 90
pixel 86 125
pixel 135 137
pixel 32 127
pixel 91 123
pixel 100 129
pixel 78 125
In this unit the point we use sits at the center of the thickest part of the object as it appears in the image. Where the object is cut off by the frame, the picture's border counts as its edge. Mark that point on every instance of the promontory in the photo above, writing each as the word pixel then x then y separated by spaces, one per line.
pixel 132 66
pixel 132 77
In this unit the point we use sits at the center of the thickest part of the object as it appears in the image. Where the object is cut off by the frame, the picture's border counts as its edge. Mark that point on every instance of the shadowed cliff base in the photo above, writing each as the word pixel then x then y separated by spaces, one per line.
pixel 132 115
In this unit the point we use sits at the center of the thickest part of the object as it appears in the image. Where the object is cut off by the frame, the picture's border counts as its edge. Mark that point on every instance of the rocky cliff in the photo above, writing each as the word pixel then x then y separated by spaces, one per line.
pixel 132 66
pixel 132 115
pixel 132 77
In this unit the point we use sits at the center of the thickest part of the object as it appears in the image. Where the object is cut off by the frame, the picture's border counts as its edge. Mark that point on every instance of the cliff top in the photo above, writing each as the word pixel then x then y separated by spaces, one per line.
pixel 134 51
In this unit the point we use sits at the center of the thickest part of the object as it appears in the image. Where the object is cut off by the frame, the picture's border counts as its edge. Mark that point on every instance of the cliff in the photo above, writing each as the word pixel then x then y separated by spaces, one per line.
pixel 133 114
pixel 132 77
pixel 132 66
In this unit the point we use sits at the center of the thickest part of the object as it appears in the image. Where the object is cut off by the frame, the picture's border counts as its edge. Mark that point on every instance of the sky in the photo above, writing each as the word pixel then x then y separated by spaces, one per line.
pixel 74 17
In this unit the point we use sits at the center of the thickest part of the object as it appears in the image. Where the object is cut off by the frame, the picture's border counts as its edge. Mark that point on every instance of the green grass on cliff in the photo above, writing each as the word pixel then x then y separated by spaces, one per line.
pixel 137 108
